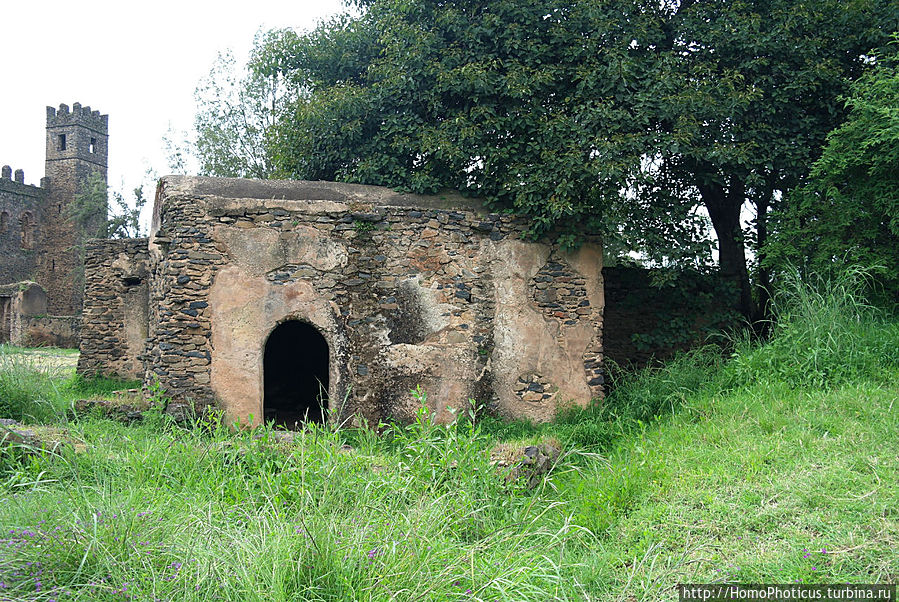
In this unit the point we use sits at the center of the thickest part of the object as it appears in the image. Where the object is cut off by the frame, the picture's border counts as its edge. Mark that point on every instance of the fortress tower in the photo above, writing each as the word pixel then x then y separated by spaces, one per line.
pixel 77 148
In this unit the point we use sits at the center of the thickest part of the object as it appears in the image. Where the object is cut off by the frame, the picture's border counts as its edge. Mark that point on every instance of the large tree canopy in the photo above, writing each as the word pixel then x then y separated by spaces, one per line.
pixel 619 116
pixel 848 210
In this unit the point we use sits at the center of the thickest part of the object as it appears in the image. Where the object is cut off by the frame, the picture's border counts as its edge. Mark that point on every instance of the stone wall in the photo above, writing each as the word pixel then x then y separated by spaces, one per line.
pixel 21 227
pixel 52 331
pixel 114 331
pixel 646 321
pixel 407 291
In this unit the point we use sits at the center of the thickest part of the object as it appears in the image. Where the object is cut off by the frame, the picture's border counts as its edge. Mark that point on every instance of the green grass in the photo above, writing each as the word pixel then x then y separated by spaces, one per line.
pixel 703 470
pixel 32 383
pixel 39 385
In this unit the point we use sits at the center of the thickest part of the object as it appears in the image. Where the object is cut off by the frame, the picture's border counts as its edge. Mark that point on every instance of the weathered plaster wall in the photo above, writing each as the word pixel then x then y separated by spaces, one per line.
pixel 114 333
pixel 407 291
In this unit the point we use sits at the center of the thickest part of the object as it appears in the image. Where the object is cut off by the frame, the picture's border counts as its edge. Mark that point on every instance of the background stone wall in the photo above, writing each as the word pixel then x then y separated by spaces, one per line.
pixel 407 291
pixel 52 331
pixel 649 318
pixel 24 320
pixel 114 330
pixel 20 205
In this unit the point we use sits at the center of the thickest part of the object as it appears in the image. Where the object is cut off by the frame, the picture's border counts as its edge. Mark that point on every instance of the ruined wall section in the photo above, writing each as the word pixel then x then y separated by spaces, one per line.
pixel 406 290
pixel 52 331
pixel 183 261
pixel 21 226
pixel 115 314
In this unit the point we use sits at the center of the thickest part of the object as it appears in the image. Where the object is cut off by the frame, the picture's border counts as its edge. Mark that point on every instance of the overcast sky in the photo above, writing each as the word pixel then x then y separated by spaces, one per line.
pixel 138 62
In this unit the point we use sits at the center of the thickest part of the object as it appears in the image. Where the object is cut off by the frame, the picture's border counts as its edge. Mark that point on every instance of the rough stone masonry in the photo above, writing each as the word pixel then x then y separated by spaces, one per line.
pixel 251 284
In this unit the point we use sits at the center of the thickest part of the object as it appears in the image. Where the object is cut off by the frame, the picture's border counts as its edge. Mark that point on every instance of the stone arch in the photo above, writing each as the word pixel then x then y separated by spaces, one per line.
pixel 27 224
pixel 296 374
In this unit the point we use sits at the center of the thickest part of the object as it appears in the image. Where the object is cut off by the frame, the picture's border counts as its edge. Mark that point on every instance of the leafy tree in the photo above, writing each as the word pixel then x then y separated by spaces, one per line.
pixel 91 212
pixel 88 210
pixel 848 210
pixel 621 117
pixel 236 111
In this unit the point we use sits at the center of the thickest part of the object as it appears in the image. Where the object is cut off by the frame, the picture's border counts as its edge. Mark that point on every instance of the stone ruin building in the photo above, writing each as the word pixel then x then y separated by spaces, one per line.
pixel 40 243
pixel 293 301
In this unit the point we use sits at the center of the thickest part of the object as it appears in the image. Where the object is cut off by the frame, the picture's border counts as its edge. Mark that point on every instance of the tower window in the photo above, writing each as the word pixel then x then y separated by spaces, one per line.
pixel 93 147
pixel 62 142
pixel 4 222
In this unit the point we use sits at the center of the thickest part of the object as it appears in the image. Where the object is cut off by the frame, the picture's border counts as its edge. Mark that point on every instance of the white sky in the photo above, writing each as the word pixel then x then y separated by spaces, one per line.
pixel 138 62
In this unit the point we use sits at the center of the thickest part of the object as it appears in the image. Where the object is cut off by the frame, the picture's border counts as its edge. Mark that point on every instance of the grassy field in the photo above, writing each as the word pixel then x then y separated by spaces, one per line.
pixel 773 463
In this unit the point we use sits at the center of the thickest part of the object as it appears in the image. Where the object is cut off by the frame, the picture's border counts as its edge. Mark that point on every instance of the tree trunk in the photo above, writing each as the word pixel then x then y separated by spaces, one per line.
pixel 724 210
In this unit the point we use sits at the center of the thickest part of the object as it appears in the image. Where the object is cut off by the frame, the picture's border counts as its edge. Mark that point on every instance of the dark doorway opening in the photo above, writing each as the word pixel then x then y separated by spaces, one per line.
pixel 295 371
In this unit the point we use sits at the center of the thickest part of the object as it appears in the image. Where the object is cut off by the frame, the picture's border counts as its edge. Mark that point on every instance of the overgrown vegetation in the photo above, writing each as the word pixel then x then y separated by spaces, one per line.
pixel 39 385
pixel 776 463
pixel 848 209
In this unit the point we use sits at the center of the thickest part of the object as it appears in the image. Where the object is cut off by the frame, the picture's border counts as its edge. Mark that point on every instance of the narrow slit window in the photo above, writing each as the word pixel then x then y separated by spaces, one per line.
pixel 93 146
pixel 62 142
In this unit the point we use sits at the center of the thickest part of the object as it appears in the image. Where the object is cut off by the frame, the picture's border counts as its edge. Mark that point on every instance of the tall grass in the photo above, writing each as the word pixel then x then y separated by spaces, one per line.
pixel 825 334
pixel 30 386
pixel 208 514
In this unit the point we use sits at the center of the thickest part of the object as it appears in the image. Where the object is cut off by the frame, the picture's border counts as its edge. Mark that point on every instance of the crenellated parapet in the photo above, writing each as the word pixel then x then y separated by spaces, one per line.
pixel 14 183
pixel 78 115
pixel 77 134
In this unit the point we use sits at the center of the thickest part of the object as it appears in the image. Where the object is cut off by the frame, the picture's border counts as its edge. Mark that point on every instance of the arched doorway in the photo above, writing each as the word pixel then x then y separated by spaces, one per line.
pixel 295 374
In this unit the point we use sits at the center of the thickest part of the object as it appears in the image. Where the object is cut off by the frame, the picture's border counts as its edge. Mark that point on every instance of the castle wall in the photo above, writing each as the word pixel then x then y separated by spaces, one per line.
pixel 406 290
pixel 21 208
pixel 114 331
pixel 51 331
